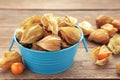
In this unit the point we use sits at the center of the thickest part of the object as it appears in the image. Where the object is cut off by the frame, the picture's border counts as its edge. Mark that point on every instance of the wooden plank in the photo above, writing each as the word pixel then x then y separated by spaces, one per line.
pixel 7 31
pixel 82 68
pixel 15 18
pixel 61 4
pixel 72 73
pixel 83 74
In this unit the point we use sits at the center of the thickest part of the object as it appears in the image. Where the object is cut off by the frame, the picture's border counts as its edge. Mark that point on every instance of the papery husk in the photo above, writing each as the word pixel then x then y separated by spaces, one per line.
pixel 116 23
pixel 94 53
pixel 50 43
pixel 66 21
pixel 110 29
pixel 104 49
pixel 19 34
pixel 100 50
pixel 46 33
pixel 64 44
pixel 31 34
pixel 8 58
pixel 114 44
pixel 50 23
pixel 30 21
pixel 70 34
pixel 103 19
pixel 102 62
pixel 86 27
pixel 100 36
pixel 36 47
pixel 26 24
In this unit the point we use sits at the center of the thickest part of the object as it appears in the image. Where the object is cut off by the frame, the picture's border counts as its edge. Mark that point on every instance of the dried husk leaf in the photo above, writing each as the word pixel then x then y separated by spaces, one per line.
pixel 101 62
pixel 103 50
pixel 110 29
pixel 36 47
pixel 116 23
pixel 46 33
pixel 97 51
pixel 94 53
pixel 8 58
pixel 70 34
pixel 64 44
pixel 50 23
pixel 29 21
pixel 99 36
pixel 86 27
pixel 114 44
pixel 31 34
pixel 27 24
pixel 66 21
pixel 50 43
pixel 103 19
pixel 19 34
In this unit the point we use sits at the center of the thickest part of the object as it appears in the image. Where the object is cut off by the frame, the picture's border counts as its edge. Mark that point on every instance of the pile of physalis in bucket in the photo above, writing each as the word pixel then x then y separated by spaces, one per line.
pixel 48 32
pixel 44 33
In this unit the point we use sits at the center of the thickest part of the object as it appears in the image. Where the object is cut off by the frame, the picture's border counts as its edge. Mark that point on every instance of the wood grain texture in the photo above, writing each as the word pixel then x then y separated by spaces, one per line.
pixel 13 12
pixel 11 18
pixel 60 4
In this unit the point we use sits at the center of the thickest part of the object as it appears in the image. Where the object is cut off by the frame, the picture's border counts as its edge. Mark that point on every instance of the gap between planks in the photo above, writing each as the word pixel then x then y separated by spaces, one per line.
pixel 13 9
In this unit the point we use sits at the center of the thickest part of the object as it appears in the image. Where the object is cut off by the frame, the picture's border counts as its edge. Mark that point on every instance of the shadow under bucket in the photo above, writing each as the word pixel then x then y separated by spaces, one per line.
pixel 44 62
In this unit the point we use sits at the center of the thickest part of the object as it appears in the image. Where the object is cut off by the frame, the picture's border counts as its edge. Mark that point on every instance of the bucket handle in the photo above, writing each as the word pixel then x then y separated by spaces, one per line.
pixel 11 44
pixel 13 41
pixel 85 44
pixel 83 39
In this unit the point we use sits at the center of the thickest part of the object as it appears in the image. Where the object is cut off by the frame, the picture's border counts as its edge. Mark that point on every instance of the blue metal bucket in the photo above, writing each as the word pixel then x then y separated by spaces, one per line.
pixel 44 62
